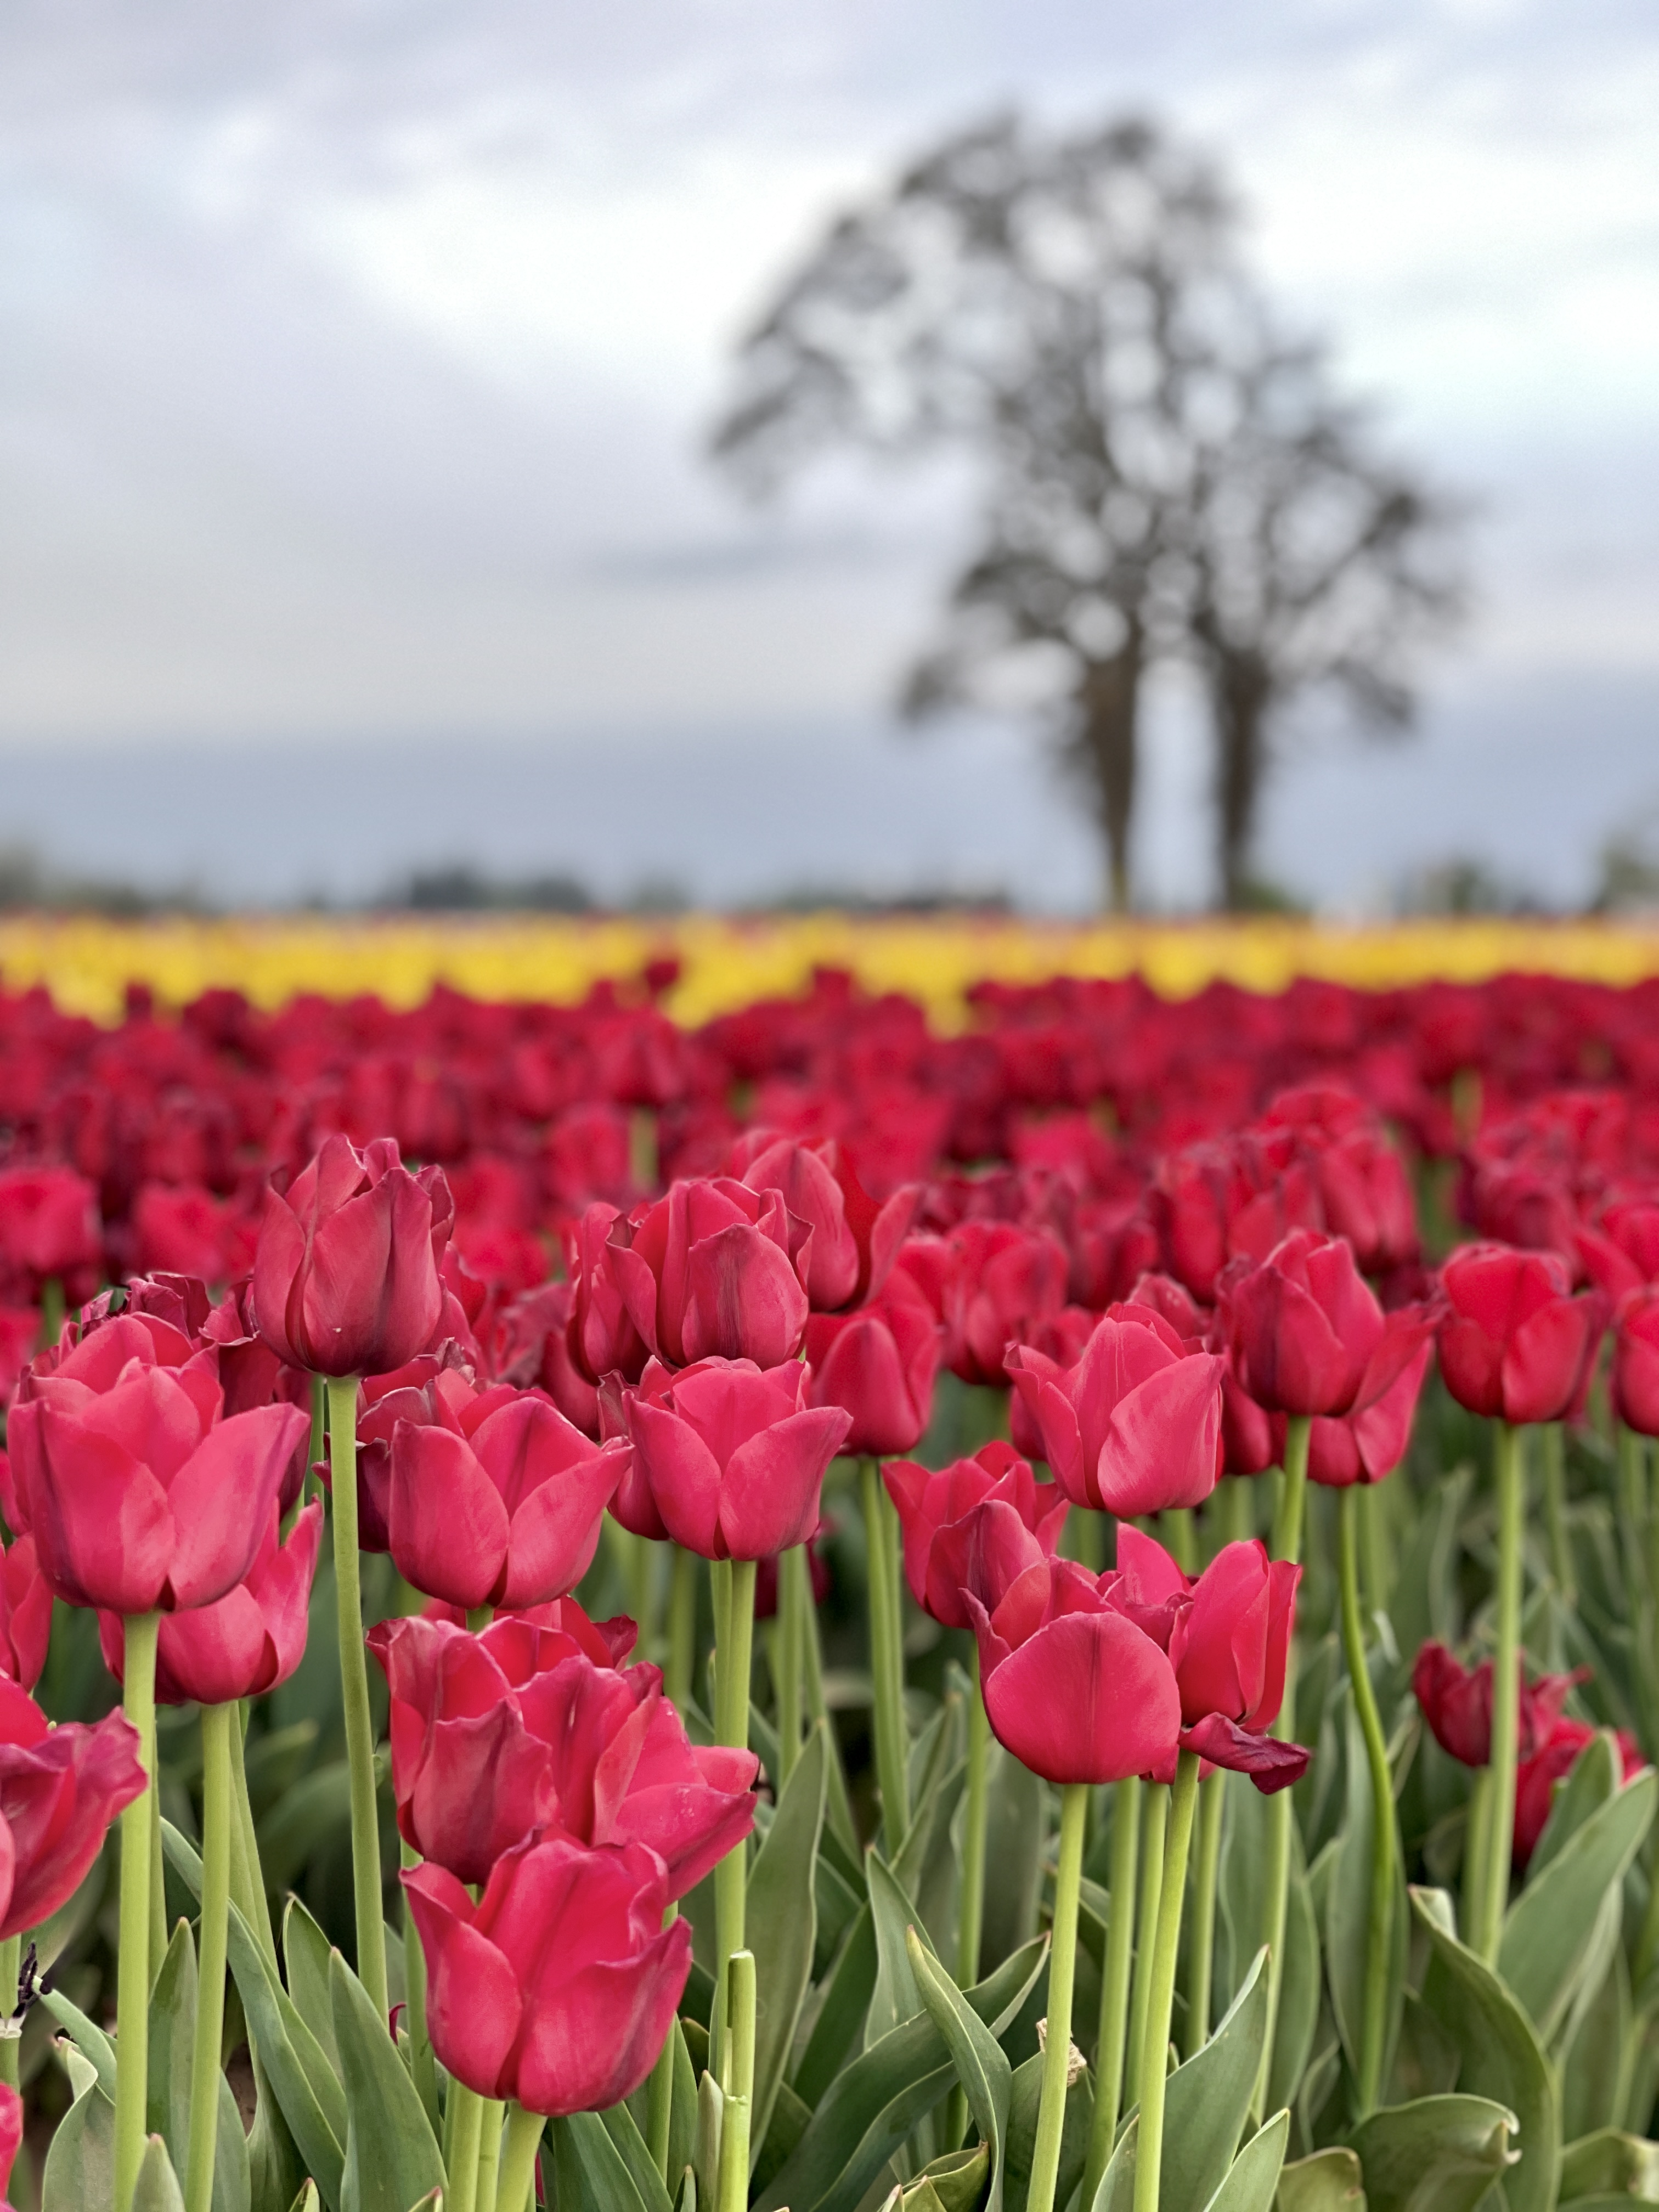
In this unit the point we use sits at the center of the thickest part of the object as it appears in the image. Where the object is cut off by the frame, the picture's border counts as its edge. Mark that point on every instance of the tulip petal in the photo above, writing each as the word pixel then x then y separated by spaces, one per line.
pixel 1271 1766
pixel 1087 1699
pixel 473 2007
pixel 556 1531
pixel 683 1475
pixel 1162 1446
pixel 769 1498
pixel 222 1499
pixel 448 1526
pixel 101 1526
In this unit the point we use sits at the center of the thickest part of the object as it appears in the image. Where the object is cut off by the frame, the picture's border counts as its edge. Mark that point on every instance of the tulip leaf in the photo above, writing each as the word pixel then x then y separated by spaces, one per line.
pixel 1436 2155
pixel 1347 1909
pixel 304 1959
pixel 842 2009
pixel 1025 2095
pixel 1208 2100
pixel 157 2186
pixel 1251 2183
pixel 1329 2181
pixel 1593 1781
pixel 1502 2059
pixel 897 1996
pixel 711 2114
pixel 1610 2163
pixel 307 2200
pixel 80 2168
pixel 981 2062
pixel 1593 2084
pixel 392 2157
pixel 631 2146
pixel 782 1925
pixel 953 2182
pixel 171 2036
pixel 1301 1982
pixel 318 1807
pixel 1015 1810
pixel 1117 2192
pixel 275 2170
pixel 870 2108
pixel 789 2119
pixel 90 2041
pixel 1548 1934
pixel 306 2087
pixel 682 2111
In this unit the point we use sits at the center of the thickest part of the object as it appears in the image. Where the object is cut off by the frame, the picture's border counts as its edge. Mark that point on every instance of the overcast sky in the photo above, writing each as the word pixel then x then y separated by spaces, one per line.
pixel 354 358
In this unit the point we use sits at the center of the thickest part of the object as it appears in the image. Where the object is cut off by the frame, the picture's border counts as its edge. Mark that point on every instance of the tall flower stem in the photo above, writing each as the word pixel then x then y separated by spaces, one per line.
pixel 247 1880
pixel 11 1956
pixel 1552 1450
pixel 734 1660
pixel 1154 2056
pixel 312 1485
pixel 1113 2037
pixel 1476 1851
pixel 682 1627
pixel 51 1311
pixel 423 2064
pixel 1211 1804
pixel 970 1919
pixel 1285 1544
pixel 739 2085
pixel 1155 1821
pixel 518 2176
pixel 218 1812
pixel 1505 1692
pixel 489 2152
pixel 1379 1929
pixel 461 2152
pixel 886 1664
pixel 132 1986
pixel 659 2094
pixel 1062 1966
pixel 354 1688
pixel 794 1592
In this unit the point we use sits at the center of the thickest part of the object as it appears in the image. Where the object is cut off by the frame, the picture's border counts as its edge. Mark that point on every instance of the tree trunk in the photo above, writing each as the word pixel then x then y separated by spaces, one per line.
pixel 1241 692
pixel 1107 704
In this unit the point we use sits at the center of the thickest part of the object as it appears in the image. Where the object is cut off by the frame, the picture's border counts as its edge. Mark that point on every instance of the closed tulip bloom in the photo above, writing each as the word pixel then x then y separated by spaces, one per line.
pixel 1620 1252
pixel 407 1394
pixel 1303 1324
pixel 1517 1343
pixel 990 1283
pixel 715 1271
pixel 186 1230
pixel 1061 1337
pixel 1549 1763
pixel 599 1333
pixel 734 1454
pixel 345 1277
pixel 878 1362
pixel 1136 1426
pixel 25 1613
pixel 137 1493
pixel 497 1499
pixel 854 1240
pixel 1635 1363
pixel 974 1527
pixel 48 1223
pixel 1456 1703
pixel 560 1985
pixel 1072 1687
pixel 60 1788
pixel 11 2132
pixel 1370 1440
pixel 250 1373
pixel 244 1643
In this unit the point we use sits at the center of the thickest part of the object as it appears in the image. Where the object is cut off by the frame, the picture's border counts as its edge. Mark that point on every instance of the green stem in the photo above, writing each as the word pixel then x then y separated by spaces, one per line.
pixel 1155 1820
pixel 1553 1445
pixel 218 1815
pixel 971 1915
pixel 1062 1966
pixel 247 1880
pixel 11 1956
pixel 734 1660
pixel 1211 1804
pixel 682 1627
pixel 1286 1544
pixel 1154 2055
pixel 1632 1497
pixel 886 1669
pixel 1110 2044
pixel 659 2096
pixel 423 2064
pixel 1374 2025
pixel 1505 1691
pixel 1180 1538
pixel 839 1810
pixel 518 2178
pixel 51 1311
pixel 158 1893
pixel 462 2194
pixel 478 1618
pixel 353 1687
pixel 489 2152
pixel 794 1595
pixel 132 1986
pixel 739 2087
pixel 1476 1846
pixel 1377 1575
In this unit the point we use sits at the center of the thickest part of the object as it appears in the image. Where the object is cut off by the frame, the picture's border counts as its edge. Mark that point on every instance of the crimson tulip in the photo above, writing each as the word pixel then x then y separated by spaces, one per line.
pixel 559 1986
pixel 878 1363
pixel 1636 1362
pixel 1302 1323
pixel 60 1788
pixel 1370 1440
pixel 137 1492
pixel 185 1229
pixel 600 1334
pixel 715 1271
pixel 25 1613
pixel 854 1240
pixel 48 1224
pixel 1517 1343
pixel 246 1642
pixel 1136 1426
pixel 734 1456
pixel 11 2133
pixel 990 1283
pixel 250 1373
pixel 345 1277
pixel 974 1526
pixel 1550 1761
pixel 1456 1703
pixel 1619 1252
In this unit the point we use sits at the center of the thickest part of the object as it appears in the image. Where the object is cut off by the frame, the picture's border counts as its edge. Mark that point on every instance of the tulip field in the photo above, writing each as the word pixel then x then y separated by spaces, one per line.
pixel 829 1567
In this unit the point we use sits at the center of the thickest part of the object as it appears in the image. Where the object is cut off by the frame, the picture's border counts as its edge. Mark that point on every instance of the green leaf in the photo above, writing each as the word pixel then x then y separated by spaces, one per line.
pixel 275 2170
pixel 1593 2070
pixel 1592 1781
pixel 318 1807
pixel 1026 2096
pixel 90 2041
pixel 841 2011
pixel 897 1996
pixel 80 2170
pixel 157 2187
pixel 1348 1912
pixel 1438 2154
pixel 1610 2163
pixel 789 2119
pixel 1252 2181
pixel 1208 2100
pixel 589 2171
pixel 307 2201
pixel 1301 1986
pixel 1014 1815
pixel 682 2111
pixel 1329 2181
pixel 872 2106
pixel 953 2182
pixel 711 2108
pixel 167 2093
pixel 1117 2192
pixel 782 1925
pixel 981 2063
pixel 619 2124
pixel 1502 2059
pixel 1548 1933
pixel 305 1958
pixel 390 2156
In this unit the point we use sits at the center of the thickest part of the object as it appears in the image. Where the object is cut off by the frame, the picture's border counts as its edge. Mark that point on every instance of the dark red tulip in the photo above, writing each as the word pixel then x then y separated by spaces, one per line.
pixel 973 1527
pixel 60 1788
pixel 1303 1324
pixel 1370 1440
pixel 989 1282
pixel 1517 1343
pixel 250 1373
pixel 48 1224
pixel 1619 1252
pixel 715 1271
pixel 182 1229
pixel 1636 1362
pixel 1549 1763
pixel 25 1613
pixel 878 1363
pixel 345 1281
pixel 854 1240
pixel 601 1336
pixel 11 2132
pixel 1456 1703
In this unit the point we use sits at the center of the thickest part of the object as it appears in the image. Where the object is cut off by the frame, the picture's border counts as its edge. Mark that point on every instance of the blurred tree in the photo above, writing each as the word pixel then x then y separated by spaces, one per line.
pixel 1163 477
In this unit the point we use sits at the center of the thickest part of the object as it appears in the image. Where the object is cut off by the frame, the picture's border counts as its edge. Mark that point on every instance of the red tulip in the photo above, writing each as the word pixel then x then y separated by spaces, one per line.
pixel 48 1223
pixel 1302 1323
pixel 60 1788
pixel 990 1283
pixel 975 1526
pixel 184 1229
pixel 1553 1759
pixel 345 1280
pixel 1072 1687
pixel 1249 1445
pixel 1136 1426
pixel 1636 1362
pixel 1517 1343
pixel 250 1373
pixel 1370 1440
pixel 494 1498
pixel 1060 1337
pixel 734 1456
pixel 715 1271
pixel 1456 1703
pixel 560 1985
pixel 878 1363
pixel 1620 1253
pixel 25 1613
pixel 602 1338
pixel 137 1493
pixel 854 1241
pixel 405 1395
pixel 1191 1322
pixel 20 1333
pixel 11 2132
pixel 245 1643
